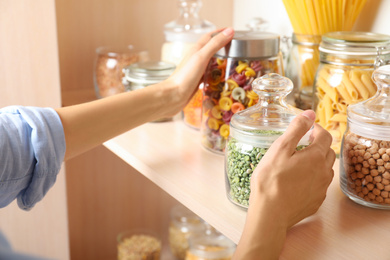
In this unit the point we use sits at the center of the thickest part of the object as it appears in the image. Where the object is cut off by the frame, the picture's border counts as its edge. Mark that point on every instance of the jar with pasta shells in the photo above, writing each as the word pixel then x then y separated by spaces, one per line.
pixel 227 82
pixel 365 152
pixel 301 66
pixel 347 61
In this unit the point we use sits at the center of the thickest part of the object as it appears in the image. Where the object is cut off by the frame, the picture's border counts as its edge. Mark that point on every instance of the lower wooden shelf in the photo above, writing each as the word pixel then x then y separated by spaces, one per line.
pixel 170 155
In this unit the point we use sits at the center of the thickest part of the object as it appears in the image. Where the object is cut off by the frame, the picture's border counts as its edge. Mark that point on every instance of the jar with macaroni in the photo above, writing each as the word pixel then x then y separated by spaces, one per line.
pixel 347 61
pixel 253 131
pixel 365 152
pixel 227 82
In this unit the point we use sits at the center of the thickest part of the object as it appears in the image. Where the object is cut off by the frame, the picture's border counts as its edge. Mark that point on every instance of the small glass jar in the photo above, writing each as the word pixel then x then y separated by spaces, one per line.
pixel 252 132
pixel 183 224
pixel 142 74
pixel 139 244
pixel 302 63
pixel 210 245
pixel 347 60
pixel 365 152
pixel 227 82
pixel 109 63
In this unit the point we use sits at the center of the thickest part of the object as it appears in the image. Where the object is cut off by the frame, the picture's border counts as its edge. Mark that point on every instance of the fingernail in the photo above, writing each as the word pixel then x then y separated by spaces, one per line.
pixel 309 114
pixel 228 31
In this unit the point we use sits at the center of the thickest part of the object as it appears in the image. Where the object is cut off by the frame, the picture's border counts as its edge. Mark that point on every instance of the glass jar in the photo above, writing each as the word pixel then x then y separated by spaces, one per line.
pixel 109 63
pixel 365 152
pixel 142 74
pixel 183 224
pixel 302 63
pixel 139 244
pixel 210 245
pixel 180 36
pixel 347 60
pixel 227 82
pixel 252 132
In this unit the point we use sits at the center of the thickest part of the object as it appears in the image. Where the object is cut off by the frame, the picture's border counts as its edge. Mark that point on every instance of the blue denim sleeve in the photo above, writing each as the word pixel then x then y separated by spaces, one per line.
pixel 32 148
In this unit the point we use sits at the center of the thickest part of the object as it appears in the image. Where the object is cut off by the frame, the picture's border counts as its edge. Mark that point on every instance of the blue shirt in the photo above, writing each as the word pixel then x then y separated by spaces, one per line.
pixel 32 148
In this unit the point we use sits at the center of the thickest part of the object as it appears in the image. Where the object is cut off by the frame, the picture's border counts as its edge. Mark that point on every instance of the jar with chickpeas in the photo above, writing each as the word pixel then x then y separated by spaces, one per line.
pixel 227 82
pixel 343 78
pixel 253 131
pixel 365 151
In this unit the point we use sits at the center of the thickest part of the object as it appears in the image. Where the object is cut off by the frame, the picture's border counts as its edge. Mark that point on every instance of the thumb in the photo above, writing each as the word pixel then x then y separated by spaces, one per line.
pixel 296 130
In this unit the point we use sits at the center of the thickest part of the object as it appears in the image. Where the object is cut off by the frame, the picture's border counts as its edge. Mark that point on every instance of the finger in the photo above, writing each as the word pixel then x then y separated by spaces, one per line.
pixel 321 138
pixel 216 42
pixel 296 130
pixel 330 158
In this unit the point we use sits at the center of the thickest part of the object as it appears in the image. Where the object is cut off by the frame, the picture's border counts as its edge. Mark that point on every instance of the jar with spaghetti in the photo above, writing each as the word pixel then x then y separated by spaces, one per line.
pixel 228 78
pixel 365 152
pixel 302 63
pixel 210 245
pixel 183 224
pixel 253 131
pixel 347 61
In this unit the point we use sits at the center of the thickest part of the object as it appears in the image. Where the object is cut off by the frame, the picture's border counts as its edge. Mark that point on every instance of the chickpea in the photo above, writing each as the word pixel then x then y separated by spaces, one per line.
pixel 385 157
pixel 374 172
pixel 382 151
pixel 386 175
pixel 366 156
pixel 365 190
pixel 368 178
pixel 385 194
pixel 370 186
pixel 379 162
pixel 379 186
pixel 365 171
pixel 371 196
pixel 371 161
pixel 387 166
pixel 379 199
pixel 387 188
pixel 385 182
pixel 378 178
pixel 376 191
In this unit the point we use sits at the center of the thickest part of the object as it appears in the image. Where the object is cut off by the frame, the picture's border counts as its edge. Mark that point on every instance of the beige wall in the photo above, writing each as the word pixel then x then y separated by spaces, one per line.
pixel 29 75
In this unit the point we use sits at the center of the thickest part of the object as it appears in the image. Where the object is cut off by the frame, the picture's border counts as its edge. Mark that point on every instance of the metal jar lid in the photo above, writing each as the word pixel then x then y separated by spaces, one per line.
pixel 249 44
pixel 148 72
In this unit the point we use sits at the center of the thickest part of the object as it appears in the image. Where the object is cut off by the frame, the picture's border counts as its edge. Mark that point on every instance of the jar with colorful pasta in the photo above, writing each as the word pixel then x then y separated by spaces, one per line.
pixel 365 153
pixel 302 63
pixel 254 130
pixel 347 61
pixel 227 82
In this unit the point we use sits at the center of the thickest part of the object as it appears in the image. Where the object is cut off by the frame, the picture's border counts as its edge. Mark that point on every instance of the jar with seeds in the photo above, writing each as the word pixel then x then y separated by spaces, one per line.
pixel 253 131
pixel 365 151
pixel 139 245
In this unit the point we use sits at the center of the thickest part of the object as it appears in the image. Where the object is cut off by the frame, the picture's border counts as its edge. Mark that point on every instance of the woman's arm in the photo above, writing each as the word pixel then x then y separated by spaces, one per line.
pixel 90 124
pixel 286 187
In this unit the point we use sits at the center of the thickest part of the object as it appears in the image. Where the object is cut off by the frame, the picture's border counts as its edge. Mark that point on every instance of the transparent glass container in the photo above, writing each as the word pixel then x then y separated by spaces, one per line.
pixel 347 61
pixel 108 68
pixel 142 74
pixel 227 82
pixel 180 36
pixel 365 152
pixel 139 244
pixel 302 63
pixel 182 225
pixel 252 132
pixel 210 245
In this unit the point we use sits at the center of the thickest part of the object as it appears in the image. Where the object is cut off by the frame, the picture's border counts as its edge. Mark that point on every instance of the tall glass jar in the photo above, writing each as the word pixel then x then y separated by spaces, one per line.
pixel 227 82
pixel 142 74
pixel 365 153
pixel 252 132
pixel 347 60
pixel 302 63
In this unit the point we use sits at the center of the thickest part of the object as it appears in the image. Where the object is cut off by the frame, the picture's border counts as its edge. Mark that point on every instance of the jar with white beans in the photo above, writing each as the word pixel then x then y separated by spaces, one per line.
pixel 365 151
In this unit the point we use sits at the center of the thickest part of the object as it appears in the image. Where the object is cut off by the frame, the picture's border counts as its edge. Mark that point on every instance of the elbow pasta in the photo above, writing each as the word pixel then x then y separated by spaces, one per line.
pixel 336 89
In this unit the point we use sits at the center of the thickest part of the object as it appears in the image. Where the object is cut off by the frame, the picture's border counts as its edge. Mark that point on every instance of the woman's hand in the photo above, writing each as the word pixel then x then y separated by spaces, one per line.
pixel 286 187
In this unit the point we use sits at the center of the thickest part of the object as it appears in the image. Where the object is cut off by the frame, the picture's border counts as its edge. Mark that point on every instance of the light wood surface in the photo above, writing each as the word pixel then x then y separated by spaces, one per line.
pixel 171 156
pixel 29 75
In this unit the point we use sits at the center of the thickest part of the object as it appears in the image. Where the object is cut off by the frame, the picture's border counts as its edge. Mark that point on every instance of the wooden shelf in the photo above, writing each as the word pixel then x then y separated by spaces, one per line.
pixel 171 156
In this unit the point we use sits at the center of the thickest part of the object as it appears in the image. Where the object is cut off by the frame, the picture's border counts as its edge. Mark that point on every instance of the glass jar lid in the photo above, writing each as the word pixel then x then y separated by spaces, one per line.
pixel 355 43
pixel 264 122
pixel 251 44
pixel 189 26
pixel 148 72
pixel 211 245
pixel 371 118
pixel 186 220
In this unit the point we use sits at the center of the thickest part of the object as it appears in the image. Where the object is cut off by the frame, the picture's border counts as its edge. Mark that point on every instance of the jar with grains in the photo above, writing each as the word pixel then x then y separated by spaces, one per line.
pixel 347 60
pixel 139 245
pixel 365 152
pixel 142 74
pixel 253 131
pixel 302 63
pixel 210 245
pixel 109 63
pixel 183 223
pixel 227 82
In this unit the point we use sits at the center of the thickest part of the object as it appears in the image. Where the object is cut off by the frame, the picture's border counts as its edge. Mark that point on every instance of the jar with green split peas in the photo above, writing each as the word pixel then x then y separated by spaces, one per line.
pixel 365 150
pixel 253 131
pixel 227 82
